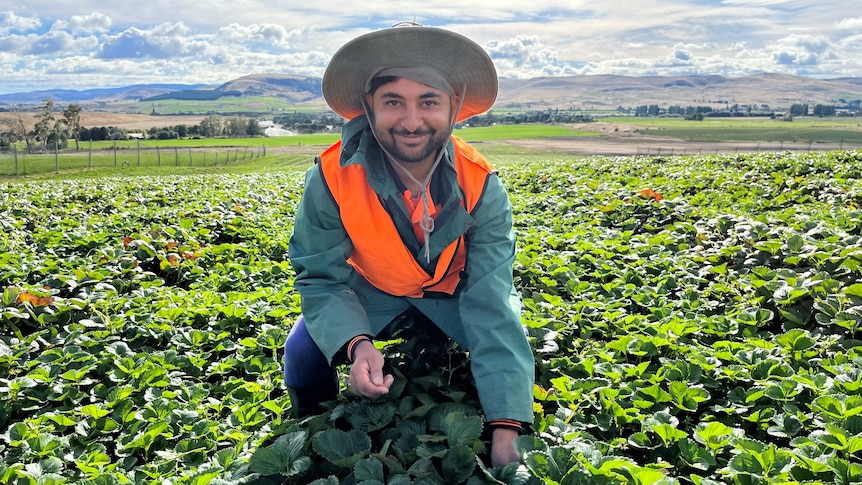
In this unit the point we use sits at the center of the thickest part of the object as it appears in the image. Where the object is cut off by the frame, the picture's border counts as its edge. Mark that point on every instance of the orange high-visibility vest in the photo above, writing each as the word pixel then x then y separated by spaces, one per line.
pixel 379 254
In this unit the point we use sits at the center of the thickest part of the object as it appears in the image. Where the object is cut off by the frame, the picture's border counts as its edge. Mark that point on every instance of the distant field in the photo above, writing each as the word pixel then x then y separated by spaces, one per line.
pixel 801 129
pixel 133 157
pixel 611 136
pixel 260 105
pixel 513 132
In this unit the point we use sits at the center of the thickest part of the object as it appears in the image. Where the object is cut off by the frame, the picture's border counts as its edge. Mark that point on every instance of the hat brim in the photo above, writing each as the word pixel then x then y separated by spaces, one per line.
pixel 460 60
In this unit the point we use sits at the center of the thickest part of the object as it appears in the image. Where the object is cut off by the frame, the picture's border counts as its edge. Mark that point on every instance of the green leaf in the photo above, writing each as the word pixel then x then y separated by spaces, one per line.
pixel 686 396
pixel 330 480
pixel 668 433
pixel 695 456
pixel 812 458
pixel 768 462
pixel 368 469
pixel 795 243
pixel 714 435
pixel 845 471
pixel 461 430
pixel 342 448
pixel 283 457
pixel 458 464
pixel 94 411
pixel 795 340
pixel 370 416
pixel 642 440
pixel 855 289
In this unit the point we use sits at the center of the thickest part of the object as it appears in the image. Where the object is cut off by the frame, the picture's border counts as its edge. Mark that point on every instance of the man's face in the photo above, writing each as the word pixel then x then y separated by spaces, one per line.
pixel 411 119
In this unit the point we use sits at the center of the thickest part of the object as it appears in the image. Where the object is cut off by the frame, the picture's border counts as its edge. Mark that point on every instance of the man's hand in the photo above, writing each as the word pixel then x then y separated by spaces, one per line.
pixel 366 373
pixel 503 449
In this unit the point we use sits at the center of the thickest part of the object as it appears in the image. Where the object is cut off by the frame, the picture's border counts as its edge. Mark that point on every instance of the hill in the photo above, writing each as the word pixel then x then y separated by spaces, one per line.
pixel 608 92
pixel 294 89
pixel 103 95
pixel 595 92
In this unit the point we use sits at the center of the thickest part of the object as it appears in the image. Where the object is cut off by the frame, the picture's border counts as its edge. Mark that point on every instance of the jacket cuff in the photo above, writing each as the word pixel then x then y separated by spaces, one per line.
pixel 351 346
pixel 507 424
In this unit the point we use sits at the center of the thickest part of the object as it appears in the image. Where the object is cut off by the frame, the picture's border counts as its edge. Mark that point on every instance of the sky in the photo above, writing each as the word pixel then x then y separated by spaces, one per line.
pixel 84 44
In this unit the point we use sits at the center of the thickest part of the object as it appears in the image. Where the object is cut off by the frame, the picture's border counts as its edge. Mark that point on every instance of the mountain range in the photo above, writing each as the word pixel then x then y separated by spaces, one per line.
pixel 593 92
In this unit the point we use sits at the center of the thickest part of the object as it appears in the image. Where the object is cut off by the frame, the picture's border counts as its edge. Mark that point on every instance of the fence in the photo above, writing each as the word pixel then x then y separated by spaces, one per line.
pixel 692 148
pixel 16 163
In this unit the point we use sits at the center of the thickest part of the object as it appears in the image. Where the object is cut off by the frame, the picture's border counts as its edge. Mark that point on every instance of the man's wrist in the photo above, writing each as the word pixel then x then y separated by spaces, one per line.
pixel 354 342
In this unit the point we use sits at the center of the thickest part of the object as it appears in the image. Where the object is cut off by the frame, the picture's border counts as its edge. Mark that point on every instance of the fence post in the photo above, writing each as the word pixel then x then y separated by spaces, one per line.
pixel 158 157
pixel 15 155
pixel 139 153
pixel 176 157
pixel 56 156
pixel 90 155
pixel 115 153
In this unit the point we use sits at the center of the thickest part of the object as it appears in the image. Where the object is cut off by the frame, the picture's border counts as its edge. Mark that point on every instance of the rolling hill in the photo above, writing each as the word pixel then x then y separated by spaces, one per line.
pixel 597 92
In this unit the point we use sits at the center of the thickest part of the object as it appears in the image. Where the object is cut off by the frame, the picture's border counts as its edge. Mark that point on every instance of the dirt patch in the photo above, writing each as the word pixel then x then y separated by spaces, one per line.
pixel 137 122
pixel 94 119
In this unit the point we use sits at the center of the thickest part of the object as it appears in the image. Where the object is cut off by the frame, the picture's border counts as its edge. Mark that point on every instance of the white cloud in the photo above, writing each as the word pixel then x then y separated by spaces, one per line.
pixel 850 24
pixel 95 22
pixel 9 22
pixel 802 50
pixel 83 44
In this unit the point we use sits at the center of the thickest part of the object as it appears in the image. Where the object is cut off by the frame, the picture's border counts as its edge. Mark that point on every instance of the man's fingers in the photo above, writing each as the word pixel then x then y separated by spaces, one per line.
pixel 366 377
pixel 377 376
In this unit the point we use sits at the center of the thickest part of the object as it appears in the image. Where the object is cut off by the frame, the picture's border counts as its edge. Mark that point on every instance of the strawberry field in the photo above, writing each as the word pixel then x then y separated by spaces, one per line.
pixel 694 320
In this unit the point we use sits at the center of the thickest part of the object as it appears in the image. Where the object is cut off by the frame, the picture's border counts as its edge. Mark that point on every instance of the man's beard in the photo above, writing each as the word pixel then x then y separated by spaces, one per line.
pixel 435 141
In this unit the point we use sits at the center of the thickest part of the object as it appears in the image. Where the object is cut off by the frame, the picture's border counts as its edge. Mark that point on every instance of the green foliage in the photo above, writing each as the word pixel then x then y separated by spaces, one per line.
pixel 703 331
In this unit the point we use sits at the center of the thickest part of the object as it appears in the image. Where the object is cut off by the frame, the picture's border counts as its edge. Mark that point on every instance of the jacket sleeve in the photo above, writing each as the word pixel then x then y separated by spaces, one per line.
pixel 501 358
pixel 318 249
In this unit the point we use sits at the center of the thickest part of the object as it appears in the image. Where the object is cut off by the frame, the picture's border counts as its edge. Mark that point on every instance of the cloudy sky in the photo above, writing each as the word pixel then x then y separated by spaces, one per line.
pixel 81 44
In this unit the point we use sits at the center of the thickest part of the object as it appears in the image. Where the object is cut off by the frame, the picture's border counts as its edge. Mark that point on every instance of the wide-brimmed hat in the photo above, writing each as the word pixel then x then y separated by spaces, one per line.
pixel 462 62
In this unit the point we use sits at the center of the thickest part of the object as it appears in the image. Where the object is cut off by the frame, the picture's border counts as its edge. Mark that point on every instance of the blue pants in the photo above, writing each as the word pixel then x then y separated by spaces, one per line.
pixel 305 366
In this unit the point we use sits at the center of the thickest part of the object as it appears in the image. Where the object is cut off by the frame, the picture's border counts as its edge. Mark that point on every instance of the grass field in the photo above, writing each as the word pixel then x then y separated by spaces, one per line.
pixel 804 129
pixel 151 157
pixel 240 154
pixel 226 106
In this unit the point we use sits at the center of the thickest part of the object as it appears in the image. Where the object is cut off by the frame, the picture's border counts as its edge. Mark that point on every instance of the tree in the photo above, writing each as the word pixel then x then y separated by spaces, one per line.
pixel 72 118
pixel 235 126
pixel 44 122
pixel 211 126
pixel 799 109
pixel 253 128
pixel 824 110
pixel 18 129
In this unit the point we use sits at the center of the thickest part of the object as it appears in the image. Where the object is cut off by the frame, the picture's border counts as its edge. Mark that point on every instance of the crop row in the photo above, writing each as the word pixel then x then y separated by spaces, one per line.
pixel 694 320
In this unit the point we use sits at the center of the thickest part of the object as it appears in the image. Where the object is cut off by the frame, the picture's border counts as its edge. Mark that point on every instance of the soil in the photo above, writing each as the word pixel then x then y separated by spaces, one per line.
pixel 91 119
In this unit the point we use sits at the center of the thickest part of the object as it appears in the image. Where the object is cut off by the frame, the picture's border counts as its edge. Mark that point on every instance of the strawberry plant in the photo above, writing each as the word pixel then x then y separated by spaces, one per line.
pixel 695 319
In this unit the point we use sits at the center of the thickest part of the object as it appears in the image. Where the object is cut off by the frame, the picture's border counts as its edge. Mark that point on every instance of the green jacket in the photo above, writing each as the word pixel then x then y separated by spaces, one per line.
pixel 482 317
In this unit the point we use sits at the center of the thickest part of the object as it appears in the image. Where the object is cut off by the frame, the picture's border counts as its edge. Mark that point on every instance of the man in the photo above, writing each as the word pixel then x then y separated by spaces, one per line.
pixel 400 218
